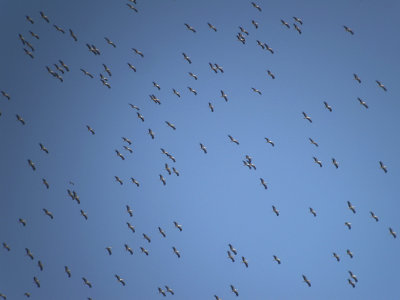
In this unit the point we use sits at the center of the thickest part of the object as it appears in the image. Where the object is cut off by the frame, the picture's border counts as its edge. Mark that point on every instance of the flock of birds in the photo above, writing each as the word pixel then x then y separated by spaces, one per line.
pixel 60 69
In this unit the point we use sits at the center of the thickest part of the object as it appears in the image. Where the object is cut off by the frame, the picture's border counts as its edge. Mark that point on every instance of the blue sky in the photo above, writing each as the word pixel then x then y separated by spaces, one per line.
pixel 216 198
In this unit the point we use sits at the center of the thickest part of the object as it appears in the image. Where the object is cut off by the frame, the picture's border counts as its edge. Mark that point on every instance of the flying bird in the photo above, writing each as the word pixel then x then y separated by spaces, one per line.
pixel 22 221
pixel 234 290
pixel 5 246
pixel 132 7
pixel 298 20
pixel 144 251
pixel 131 227
pixel 86 282
pixel 68 271
pixel 29 19
pixel 84 214
pixel 6 95
pixel 127 248
pixel 306 117
pixel 348 224
pixel 306 280
pixel 348 29
pixel 351 283
pixel 277 259
pixel 31 164
pixel 87 73
pixel 256 6
pixel 119 154
pixel 138 52
pixel 132 67
pixel 327 106
pixel 176 252
pixel 178 226
pixel 312 211
pixel 119 279
pixel 129 210
pixel 211 106
pixel 256 91
pixel 349 253
pixel 275 210
pixel 269 141
pixel 72 34
pixel 381 85
pixel 170 125
pixel 186 58
pixel 169 290
pixel 128 149
pixel 44 17
pixel 264 183
pixel 285 23
pixel 40 265
pixel 234 251
pixel 374 216
pixel 297 28
pixel 313 142
pixel 203 148
pixel 357 78
pixel 393 233
pixel 29 253
pixel 175 171
pixel 254 23
pixel 48 213
pixel 163 179
pixel 109 250
pixel 19 118
pixel 233 140
pixel 268 48
pixel 192 90
pixel 107 69
pixel 90 129
pixel 383 167
pixel 230 256
pixel 117 179
pixel 34 35
pixel 270 74
pixel 351 207
pixel 212 27
pixel 193 75
pixel 176 93
pixel 190 27
pixel 246 263
pixel 162 232
pixel 317 161
pixel 353 276
pixel 59 29
pixel 161 291
pixel 336 256
pixel 37 282
pixel 223 95
pixel 110 42
pixel 146 237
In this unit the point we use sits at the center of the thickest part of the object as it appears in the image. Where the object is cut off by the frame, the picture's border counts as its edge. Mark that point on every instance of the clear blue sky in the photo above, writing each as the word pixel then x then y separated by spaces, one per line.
pixel 216 198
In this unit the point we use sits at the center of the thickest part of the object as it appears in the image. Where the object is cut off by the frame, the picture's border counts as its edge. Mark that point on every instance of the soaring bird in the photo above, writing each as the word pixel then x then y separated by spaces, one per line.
pixel 335 163
pixel 19 118
pixel 110 42
pixel 285 23
pixel 313 142
pixel 354 277
pixel 268 48
pixel 275 210
pixel 223 95
pixel 132 7
pixel 212 27
pixel 109 250
pixel 68 271
pixel 90 129
pixel 203 148
pixel 43 148
pixel 59 29
pixel 306 117
pixel 176 92
pixel 162 232
pixel 256 6
pixel 374 216
pixel 64 65
pixel 27 52
pixel 48 213
pixel 327 106
pixel 129 210
pixel 85 281
pixel 120 279
pixel 230 256
pixel 190 27
pixel 28 295
pixel 193 75
pixel 381 85
pixel 72 34
pixel 175 171
pixel 357 78
pixel 351 207
pixel 383 167
pixel 119 154
pixel 31 164
pixel 260 44
pixel 144 251
pixel 146 237
pixel 34 35
pixel 192 90
pixel 44 17
pixel 351 283
pixel 6 95
pixel 256 91
pixel 349 253
pixel 140 116
pixel 186 58
pixel 132 67
pixel 246 263
pixel 128 149
pixel 243 30
pixel 233 140
pixel 138 52
pixel 393 233
pixel 84 214
pixel 348 29
pixel 312 211
pixel 336 256
pixel 254 23
pixel 161 291
pixel 176 252
pixel 306 280
pixel 169 290
pixel 277 259
pixel 3 296
pixel 163 179
pixel 29 253
pixel 211 106
pixel 297 28
pixel 156 85
pixel 135 181
pixel 107 69
pixel 234 251
pixel 178 226
pixel 117 179
pixel 37 282
pixel 87 73
pixel 59 69
pixel 348 224
pixel 131 227
pixel 129 249
pixel 214 68
pixel 5 246
pixel 234 290
pixel 40 265
pixel 170 125
pixel 317 161
pixel 126 140
pixel 269 141
pixel 264 183
pixel 22 221
pixel 29 19
pixel 219 68
pixel 270 74
pixel 298 20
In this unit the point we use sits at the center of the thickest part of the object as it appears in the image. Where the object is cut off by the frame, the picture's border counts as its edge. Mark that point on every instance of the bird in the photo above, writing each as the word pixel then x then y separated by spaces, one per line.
pixel 22 221
pixel 64 65
pixel 138 52
pixel 285 23
pixel 168 169
pixel 176 92
pixel 353 276
pixel 32 165
pixel 393 233
pixel 29 19
pixel 19 118
pixel 68 271
pixel 306 117
pixel 246 263
pixel 117 179
pixel 298 20
pixel 203 148
pixel 156 85
pixel 193 75
pixel 132 7
pixel 161 291
pixel 34 35
pixel 234 290
pixel 127 248
pixel 348 29
pixel 163 179
pixel 109 250
pixel 126 140
pixel 6 95
pixel 87 73
pixel 348 224
pixel 297 28
pixel 312 211
pixel 260 44
pixel 317 161
pixel 128 149
pixel 175 171
pixel 256 6
pixel 107 69
pixel 162 232
pixel 349 253
pixel 86 282
pixel 170 125
pixel 357 78
pixel 219 68
pixel 146 237
pixel 306 280
pixel 214 68
pixel 327 106
pixel 335 163
pixel 256 91
pixel 223 95
pixel 381 85
pixel 192 90
pixel 270 74
pixel 144 251
pixel 374 216
pixel 40 265
pixel 29 253
pixel 37 282
pixel 59 29
pixel 131 227
pixel 48 213
pixel 176 252
pixel 120 279
pixel 187 58
pixel 169 290
pixel 269 141
pixel 190 27
pixel 277 259
pixel 132 67
pixel 92 48
pixel 351 207
pixel 362 102
pixel 275 210
pixel 211 106
pixel 119 154
pixel 27 52
pixel 84 214
pixel 3 296
pixel 28 295
pixel 44 17
pixel 178 226
pixel 336 256
pixel 5 246
pixel 254 23
pixel 383 167
pixel 313 142
pixel 264 183
pixel 268 48
pixel 234 251
pixel 129 210
pixel 351 283
pixel 243 30
pixel 230 256
pixel 233 140
pixel 135 181
pixel 110 42
pixel 59 69
pixel 72 34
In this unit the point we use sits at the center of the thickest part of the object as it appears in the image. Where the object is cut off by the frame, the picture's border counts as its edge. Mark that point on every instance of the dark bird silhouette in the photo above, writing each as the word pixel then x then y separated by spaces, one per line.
pixel 109 250
pixel 19 118
pixel 6 95
pixel 313 142
pixel 362 102
pixel 381 85
pixel 84 215
pixel 48 213
pixel 328 107
pixel 37 282
pixel 68 271
pixel 306 280
pixel 138 52
pixel 230 256
pixel 187 58
pixel 176 252
pixel 162 232
pixel 233 140
pixel 110 42
pixel 351 207
pixel 44 17
pixel 374 216
pixel 285 23
pixel 357 78
pixel 72 34
pixel 277 259
pixel 383 167
pixel 86 282
pixel 32 165
pixel 203 148
pixel 119 279
pixel 317 161
pixel 393 233
pixel 270 74
pixel 298 20
pixel 306 117
pixel 29 19
pixel 190 27
pixel 212 27
pixel 22 221
pixel 336 256
pixel 312 211
pixel 256 6
pixel 264 183
pixel 234 290
pixel 348 29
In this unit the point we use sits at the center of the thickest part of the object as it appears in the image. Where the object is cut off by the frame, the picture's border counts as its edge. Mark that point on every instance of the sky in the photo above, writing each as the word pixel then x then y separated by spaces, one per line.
pixel 216 198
